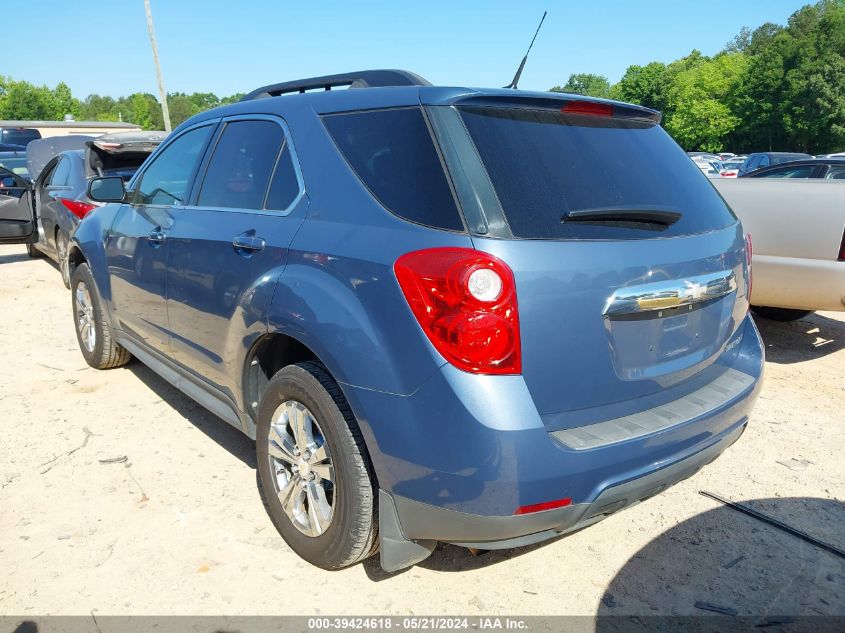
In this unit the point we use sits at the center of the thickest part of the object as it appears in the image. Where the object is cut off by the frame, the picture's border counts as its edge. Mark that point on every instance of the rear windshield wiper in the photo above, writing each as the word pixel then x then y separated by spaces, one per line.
pixel 649 217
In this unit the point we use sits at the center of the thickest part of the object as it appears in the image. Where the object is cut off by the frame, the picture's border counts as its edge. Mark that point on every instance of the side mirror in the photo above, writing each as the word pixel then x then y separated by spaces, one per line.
pixel 8 182
pixel 107 189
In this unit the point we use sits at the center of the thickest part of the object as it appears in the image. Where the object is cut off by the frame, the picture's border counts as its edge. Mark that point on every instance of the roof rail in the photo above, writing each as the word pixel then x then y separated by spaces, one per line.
pixel 360 79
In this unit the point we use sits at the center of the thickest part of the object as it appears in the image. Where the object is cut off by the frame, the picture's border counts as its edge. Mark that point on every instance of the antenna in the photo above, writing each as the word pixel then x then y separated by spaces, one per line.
pixel 518 74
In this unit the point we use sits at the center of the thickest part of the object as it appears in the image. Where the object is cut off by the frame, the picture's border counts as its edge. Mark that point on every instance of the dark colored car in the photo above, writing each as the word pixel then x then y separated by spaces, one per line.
pixel 825 168
pixel 60 189
pixel 20 136
pixel 480 317
pixel 758 160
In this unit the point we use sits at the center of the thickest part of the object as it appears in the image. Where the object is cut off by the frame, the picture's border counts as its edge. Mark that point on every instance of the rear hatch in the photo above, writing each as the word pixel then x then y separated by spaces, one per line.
pixel 120 153
pixel 630 268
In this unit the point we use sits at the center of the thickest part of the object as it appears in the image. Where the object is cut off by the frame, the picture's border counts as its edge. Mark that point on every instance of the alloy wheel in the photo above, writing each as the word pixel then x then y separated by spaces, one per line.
pixel 302 464
pixel 85 317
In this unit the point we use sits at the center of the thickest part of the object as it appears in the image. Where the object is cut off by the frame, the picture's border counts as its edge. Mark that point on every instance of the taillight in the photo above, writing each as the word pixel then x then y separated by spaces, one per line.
pixel 546 505
pixel 841 257
pixel 748 253
pixel 79 209
pixel 465 302
pixel 588 107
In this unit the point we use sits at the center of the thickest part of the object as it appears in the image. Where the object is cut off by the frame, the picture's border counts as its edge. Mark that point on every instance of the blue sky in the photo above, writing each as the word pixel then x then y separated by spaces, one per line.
pixel 228 46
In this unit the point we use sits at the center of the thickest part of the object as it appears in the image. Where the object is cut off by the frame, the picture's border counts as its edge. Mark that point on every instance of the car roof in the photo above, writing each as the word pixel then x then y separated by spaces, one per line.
pixel 809 161
pixel 401 88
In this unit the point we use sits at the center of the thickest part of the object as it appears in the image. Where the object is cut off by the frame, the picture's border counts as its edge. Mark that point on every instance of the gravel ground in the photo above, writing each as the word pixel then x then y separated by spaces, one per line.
pixel 119 495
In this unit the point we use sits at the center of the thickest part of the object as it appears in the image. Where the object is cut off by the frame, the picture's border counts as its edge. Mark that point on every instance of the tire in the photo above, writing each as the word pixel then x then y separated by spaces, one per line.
pixel 33 252
pixel 350 533
pixel 61 255
pixel 780 314
pixel 99 349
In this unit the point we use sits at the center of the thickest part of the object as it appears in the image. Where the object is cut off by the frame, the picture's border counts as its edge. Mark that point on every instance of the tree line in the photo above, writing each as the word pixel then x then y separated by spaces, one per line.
pixel 774 88
pixel 23 101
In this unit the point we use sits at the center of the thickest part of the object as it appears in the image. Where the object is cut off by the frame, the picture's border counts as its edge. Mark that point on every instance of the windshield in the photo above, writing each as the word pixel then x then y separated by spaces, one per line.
pixel 545 165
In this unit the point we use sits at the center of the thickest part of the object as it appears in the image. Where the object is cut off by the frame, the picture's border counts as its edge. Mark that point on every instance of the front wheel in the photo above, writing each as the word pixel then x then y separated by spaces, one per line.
pixel 93 332
pixel 780 314
pixel 314 469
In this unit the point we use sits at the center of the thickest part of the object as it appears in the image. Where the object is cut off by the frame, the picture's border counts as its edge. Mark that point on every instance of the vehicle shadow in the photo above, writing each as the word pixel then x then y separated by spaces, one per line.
pixel 213 427
pixel 16 257
pixel 724 562
pixel 813 336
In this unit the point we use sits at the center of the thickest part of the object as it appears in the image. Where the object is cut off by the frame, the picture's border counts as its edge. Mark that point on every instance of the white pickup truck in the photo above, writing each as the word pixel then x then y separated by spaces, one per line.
pixel 798 234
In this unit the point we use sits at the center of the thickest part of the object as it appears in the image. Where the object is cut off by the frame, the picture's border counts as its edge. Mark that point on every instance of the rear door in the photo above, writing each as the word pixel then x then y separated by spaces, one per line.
pixel 629 267
pixel 230 243
pixel 17 213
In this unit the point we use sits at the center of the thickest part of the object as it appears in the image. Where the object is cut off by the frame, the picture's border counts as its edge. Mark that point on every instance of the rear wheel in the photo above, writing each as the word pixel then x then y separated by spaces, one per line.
pixel 314 468
pixel 780 314
pixel 93 332
pixel 61 253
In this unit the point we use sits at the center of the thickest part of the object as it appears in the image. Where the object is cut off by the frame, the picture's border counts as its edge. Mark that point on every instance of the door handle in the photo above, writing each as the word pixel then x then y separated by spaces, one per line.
pixel 246 245
pixel 157 237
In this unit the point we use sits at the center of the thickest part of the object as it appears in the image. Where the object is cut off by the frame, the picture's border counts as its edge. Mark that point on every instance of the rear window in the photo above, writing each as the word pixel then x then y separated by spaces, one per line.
pixel 22 136
pixel 393 154
pixel 545 164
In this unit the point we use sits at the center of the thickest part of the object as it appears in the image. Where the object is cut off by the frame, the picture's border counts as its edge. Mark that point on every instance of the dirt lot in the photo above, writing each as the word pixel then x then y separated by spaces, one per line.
pixel 178 528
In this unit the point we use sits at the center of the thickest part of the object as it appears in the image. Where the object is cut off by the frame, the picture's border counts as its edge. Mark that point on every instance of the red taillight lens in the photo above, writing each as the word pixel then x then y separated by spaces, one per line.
pixel 465 302
pixel 79 209
pixel 749 251
pixel 588 107
pixel 547 505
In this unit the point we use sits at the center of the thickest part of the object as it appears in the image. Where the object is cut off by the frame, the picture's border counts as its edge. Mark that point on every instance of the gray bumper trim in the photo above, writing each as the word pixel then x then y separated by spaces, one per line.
pixel 420 521
pixel 727 387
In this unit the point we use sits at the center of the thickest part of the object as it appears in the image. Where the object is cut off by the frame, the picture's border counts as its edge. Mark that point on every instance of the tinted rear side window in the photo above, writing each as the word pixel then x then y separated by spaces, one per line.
pixel 241 165
pixel 545 164
pixel 285 186
pixel 393 154
pixel 19 136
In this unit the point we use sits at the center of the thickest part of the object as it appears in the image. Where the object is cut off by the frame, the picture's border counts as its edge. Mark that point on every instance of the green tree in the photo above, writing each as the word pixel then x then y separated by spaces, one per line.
pixel 586 84
pixel 700 102
pixel 644 85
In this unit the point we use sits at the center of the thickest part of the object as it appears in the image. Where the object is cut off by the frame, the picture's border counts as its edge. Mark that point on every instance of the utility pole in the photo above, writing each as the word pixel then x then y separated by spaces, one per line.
pixel 161 91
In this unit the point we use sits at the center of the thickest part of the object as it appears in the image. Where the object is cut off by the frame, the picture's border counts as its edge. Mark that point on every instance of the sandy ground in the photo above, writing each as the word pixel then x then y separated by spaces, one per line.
pixel 178 528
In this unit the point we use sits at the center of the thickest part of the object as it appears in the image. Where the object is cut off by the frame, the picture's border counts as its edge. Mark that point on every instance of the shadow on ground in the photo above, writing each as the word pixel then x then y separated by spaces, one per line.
pixel 17 257
pixel 216 429
pixel 813 336
pixel 725 562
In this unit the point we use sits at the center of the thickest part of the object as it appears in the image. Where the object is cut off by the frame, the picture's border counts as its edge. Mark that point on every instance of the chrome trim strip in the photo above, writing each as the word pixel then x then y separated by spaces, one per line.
pixel 712 396
pixel 665 295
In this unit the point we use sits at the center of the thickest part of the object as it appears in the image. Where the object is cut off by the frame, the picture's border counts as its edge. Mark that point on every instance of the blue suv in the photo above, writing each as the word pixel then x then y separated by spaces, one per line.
pixel 479 317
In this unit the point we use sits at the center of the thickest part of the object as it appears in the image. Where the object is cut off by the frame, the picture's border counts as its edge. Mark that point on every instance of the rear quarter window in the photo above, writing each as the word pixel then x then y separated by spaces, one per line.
pixel 544 164
pixel 393 154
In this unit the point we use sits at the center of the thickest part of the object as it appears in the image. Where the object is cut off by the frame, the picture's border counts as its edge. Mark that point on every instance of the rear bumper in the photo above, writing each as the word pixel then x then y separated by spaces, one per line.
pixel 803 284
pixel 456 459
pixel 421 521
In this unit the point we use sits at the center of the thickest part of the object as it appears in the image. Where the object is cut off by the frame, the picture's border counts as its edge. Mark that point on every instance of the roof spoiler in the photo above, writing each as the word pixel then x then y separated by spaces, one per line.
pixel 360 79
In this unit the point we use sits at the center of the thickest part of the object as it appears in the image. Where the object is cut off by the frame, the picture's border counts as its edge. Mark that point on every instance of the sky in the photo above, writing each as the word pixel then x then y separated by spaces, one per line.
pixel 229 46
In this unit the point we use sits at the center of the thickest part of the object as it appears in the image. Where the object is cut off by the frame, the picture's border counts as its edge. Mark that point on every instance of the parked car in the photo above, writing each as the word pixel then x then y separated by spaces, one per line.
pixel 723 156
pixel 827 168
pixel 444 314
pixel 730 168
pixel 709 168
pixel 704 156
pixel 61 187
pixel 758 160
pixel 20 136
pixel 799 242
